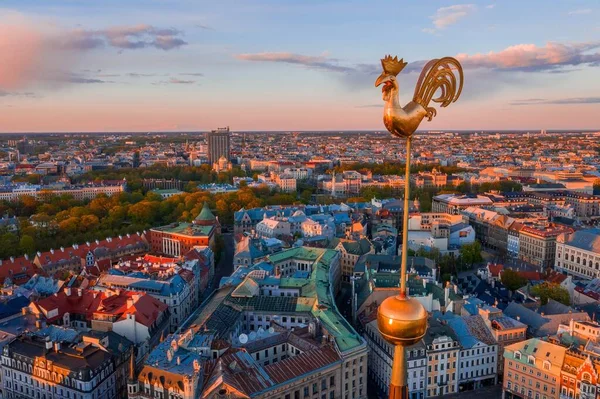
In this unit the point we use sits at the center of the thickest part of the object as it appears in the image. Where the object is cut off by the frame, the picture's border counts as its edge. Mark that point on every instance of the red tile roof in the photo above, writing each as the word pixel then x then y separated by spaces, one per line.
pixel 20 270
pixel 495 269
pixel 80 251
pixel 301 364
pixel 535 276
pixel 92 304
pixel 555 277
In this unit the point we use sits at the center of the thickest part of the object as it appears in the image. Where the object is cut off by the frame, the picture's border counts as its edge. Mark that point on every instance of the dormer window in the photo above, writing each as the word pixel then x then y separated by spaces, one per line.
pixel 546 365
pixel 517 355
pixel 531 360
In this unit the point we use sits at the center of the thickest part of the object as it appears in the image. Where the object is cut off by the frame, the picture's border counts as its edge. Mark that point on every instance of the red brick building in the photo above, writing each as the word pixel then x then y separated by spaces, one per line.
pixel 176 239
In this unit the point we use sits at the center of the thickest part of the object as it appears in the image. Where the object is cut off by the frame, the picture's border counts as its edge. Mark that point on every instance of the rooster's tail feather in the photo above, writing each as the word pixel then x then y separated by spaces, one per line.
pixel 444 74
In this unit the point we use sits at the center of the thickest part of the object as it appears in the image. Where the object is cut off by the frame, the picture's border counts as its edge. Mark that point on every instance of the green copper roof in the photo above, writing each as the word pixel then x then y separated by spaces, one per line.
pixel 206 214
pixel 301 253
pixel 326 310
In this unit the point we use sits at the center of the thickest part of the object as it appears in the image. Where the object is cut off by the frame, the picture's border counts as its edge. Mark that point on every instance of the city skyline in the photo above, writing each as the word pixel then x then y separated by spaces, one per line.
pixel 153 65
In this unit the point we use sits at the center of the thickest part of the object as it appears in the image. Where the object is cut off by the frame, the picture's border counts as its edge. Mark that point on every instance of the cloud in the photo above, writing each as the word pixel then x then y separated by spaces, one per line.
pixel 446 16
pixel 314 62
pixel 140 75
pixel 44 55
pixel 581 11
pixel 4 93
pixel 82 80
pixel 551 58
pixel 531 58
pixel 560 101
pixel 205 27
pixel 121 37
pixel 490 6
pixel 192 74
pixel 175 81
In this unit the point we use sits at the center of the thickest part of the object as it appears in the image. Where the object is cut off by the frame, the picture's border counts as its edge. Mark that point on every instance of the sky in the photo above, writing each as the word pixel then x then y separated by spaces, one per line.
pixel 169 65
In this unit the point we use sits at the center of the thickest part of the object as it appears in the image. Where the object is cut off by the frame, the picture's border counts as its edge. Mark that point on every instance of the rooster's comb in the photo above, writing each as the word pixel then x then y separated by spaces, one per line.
pixel 392 66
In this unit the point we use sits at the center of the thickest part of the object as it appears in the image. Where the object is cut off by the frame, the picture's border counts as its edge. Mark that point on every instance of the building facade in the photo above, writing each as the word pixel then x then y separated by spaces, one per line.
pixel 532 369
pixel 578 253
pixel 36 367
pixel 538 245
pixel 219 144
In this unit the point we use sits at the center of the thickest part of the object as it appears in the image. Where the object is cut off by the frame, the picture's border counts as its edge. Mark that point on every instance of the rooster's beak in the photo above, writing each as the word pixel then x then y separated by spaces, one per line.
pixel 384 77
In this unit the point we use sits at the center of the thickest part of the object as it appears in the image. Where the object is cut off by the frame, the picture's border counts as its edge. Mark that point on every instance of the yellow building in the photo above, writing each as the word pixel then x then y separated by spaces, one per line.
pixel 532 369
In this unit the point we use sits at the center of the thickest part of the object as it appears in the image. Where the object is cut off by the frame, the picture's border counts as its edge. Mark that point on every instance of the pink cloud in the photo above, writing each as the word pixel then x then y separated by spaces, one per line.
pixel 23 51
pixel 36 53
pixel 533 58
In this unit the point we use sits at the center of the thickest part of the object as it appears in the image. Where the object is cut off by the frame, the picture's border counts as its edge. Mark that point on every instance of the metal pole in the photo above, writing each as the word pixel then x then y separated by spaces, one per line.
pixel 405 220
pixel 398 379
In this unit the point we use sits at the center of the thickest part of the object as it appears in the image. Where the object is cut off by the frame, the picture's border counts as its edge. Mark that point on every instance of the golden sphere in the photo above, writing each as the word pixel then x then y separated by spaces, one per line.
pixel 401 320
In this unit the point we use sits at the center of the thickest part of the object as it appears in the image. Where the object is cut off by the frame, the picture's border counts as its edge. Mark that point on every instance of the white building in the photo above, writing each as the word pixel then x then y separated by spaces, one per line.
pixel 286 182
pixel 272 228
pixel 313 228
pixel 298 173
pixel 380 363
pixel 578 253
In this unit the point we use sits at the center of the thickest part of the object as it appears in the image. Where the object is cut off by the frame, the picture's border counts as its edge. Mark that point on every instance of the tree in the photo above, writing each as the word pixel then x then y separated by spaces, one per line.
pixel 471 253
pixel 27 245
pixel 512 280
pixel 548 291
pixel 88 223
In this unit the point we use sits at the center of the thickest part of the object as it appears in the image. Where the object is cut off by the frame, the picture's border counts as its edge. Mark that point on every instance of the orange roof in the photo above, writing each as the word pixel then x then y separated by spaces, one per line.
pixel 555 277
pixel 159 259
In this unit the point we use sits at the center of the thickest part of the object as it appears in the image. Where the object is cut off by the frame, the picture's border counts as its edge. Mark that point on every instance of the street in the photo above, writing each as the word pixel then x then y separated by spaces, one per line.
pixel 225 265
pixel 487 392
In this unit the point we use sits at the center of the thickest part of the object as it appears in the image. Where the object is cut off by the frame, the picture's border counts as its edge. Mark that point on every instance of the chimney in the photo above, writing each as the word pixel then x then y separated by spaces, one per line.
pixel 79 292
pixel 62 249
pixel 68 291
pixel 51 250
pixel 48 343
pixel 56 346
pixel 26 257
pixel 178 360
pixel 12 259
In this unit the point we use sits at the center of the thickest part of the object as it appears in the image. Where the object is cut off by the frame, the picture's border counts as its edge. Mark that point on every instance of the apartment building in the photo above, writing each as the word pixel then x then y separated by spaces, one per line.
pixel 532 369
pixel 538 245
pixel 443 351
pixel 36 367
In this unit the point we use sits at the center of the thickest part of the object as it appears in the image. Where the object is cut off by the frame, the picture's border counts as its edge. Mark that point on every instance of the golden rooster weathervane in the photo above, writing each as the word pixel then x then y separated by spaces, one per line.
pixel 401 320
